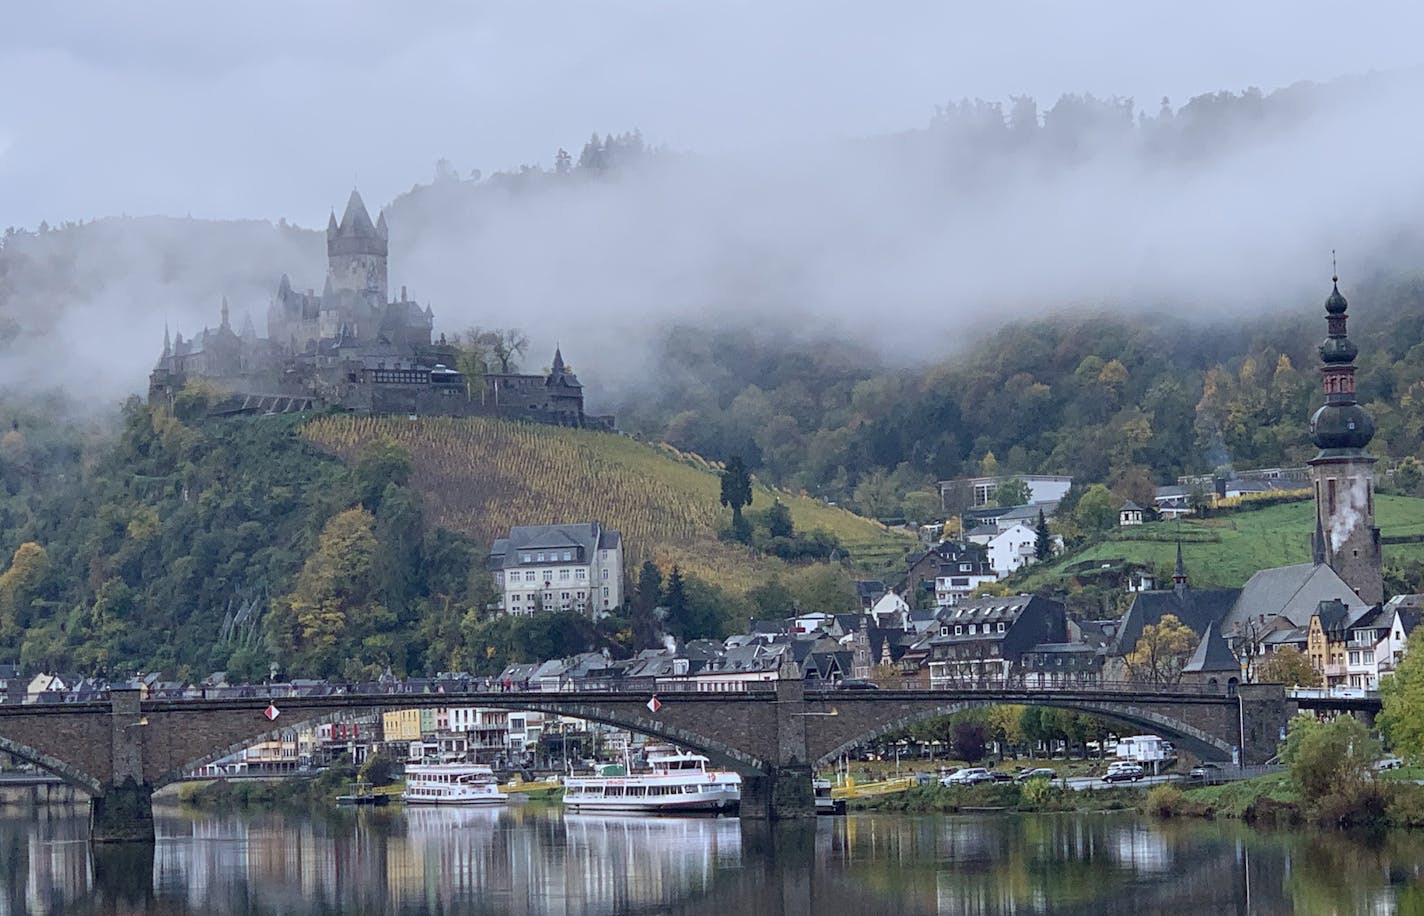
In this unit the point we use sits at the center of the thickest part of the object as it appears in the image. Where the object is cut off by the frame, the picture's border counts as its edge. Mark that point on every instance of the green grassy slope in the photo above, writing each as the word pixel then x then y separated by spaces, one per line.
pixel 1224 552
pixel 481 476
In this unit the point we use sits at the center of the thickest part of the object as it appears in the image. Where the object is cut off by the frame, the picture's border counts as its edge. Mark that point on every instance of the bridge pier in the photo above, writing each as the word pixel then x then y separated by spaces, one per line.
pixel 123 813
pixel 783 794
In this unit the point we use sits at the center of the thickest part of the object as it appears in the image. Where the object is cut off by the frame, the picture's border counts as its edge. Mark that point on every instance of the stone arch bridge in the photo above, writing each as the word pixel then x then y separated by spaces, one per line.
pixel 774 734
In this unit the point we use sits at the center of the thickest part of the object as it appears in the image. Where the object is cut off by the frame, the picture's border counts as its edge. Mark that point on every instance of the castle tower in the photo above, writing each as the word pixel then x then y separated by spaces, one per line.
pixel 356 252
pixel 1342 471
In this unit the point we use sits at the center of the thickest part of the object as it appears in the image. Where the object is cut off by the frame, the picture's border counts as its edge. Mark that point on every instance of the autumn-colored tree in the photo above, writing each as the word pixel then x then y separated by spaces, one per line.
pixel 1290 666
pixel 1162 651
pixel 332 610
pixel 29 568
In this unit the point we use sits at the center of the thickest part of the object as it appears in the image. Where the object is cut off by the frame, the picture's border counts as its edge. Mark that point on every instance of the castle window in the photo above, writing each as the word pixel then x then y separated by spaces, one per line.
pixel 1330 495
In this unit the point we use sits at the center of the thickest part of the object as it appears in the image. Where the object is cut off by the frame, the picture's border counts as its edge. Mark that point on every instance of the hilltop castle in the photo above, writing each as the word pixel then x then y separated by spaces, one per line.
pixel 355 347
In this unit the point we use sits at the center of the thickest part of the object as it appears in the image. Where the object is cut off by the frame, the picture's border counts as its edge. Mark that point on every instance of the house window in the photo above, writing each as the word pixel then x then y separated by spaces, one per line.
pixel 528 575
pixel 605 575
pixel 971 629
pixel 526 558
pixel 580 574
pixel 563 574
pixel 1001 626
pixel 564 596
pixel 539 557
pixel 499 578
pixel 958 630
pixel 605 593
pixel 568 555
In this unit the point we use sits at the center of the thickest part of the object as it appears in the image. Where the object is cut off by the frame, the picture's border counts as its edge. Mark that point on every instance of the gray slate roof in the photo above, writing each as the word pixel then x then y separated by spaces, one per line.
pixel 1293 592
pixel 1213 654
pixel 588 536
pixel 1196 608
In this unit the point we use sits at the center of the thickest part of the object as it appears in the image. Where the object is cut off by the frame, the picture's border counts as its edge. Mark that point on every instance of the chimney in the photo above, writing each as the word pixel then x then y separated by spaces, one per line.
pixel 403 298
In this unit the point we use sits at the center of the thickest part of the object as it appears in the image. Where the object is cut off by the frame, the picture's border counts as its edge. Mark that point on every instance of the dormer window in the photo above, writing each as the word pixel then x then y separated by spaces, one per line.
pixel 958 630
pixel 971 629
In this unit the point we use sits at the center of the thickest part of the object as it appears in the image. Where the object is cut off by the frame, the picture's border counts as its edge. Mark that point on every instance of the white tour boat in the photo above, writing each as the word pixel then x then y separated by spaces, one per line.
pixel 677 783
pixel 451 784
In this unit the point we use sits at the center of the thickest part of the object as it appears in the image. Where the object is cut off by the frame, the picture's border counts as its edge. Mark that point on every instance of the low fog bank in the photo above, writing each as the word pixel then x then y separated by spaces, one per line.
pixel 911 245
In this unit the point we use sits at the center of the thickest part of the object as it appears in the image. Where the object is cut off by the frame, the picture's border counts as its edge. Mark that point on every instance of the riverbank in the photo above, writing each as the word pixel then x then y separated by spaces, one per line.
pixel 1275 800
pixel 1039 795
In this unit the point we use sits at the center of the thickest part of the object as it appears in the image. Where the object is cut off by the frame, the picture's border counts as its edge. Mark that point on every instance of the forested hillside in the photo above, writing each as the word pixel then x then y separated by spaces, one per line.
pixel 344 546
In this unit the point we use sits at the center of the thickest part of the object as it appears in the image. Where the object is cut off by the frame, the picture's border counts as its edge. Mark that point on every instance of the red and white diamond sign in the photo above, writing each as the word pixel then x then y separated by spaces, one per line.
pixel 654 705
pixel 271 712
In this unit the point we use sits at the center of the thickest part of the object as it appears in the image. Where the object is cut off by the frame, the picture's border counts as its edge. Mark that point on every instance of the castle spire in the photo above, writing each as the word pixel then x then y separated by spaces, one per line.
pixel 167 344
pixel 558 361
pixel 224 314
pixel 356 218
pixel 381 225
pixel 331 227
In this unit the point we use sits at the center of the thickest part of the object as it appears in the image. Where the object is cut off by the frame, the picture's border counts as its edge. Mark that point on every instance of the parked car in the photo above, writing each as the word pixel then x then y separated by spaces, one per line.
pixel 1038 773
pixel 1389 763
pixel 1124 772
pixel 966 776
pixel 1001 776
pixel 857 683
pixel 1205 770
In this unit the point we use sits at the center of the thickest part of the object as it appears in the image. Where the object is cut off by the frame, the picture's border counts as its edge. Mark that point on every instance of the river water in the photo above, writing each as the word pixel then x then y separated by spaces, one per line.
pixel 532 859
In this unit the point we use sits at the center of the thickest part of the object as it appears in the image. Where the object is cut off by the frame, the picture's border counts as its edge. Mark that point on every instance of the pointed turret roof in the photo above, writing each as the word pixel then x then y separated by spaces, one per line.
pixel 356 219
pixel 558 361
pixel 167 344
pixel 331 222
pixel 381 224
pixel 1179 576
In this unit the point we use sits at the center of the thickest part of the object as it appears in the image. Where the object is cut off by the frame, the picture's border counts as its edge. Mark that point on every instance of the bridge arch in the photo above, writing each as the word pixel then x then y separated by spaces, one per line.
pixel 719 753
pixel 1182 734
pixel 50 764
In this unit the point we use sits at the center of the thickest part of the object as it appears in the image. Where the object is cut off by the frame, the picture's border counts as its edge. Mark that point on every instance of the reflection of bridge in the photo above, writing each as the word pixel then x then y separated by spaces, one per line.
pixel 774 734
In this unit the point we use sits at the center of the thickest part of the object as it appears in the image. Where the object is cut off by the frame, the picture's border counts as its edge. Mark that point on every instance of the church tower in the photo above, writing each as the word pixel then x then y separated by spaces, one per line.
pixel 356 252
pixel 1342 471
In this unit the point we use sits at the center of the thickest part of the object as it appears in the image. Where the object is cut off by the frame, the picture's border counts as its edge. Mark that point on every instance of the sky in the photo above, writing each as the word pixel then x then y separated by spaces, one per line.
pixel 796 198
pixel 272 109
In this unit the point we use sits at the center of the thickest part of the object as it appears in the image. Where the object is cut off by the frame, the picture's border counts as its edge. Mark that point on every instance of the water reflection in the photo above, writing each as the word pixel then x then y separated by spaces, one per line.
pixel 534 860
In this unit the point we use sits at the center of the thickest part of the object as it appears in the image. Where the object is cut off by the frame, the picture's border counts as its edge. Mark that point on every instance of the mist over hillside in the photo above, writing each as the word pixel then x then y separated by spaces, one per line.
pixel 908 246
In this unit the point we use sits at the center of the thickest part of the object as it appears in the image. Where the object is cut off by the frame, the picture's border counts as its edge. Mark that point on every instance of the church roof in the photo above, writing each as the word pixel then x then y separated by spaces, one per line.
pixel 1213 654
pixel 1293 592
pixel 1196 608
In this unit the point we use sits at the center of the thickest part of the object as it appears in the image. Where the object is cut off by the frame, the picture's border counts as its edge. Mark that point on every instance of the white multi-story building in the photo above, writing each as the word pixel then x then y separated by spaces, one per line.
pixel 1013 549
pixel 559 568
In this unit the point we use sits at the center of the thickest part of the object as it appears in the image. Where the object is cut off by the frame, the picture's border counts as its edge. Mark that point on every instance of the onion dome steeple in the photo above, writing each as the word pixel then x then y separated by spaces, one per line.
pixel 1341 427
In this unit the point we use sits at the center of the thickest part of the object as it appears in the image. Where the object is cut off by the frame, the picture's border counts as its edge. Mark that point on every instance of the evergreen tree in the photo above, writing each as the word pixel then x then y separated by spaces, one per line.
pixel 645 600
pixel 675 600
pixel 736 491
pixel 1043 544
pixel 778 521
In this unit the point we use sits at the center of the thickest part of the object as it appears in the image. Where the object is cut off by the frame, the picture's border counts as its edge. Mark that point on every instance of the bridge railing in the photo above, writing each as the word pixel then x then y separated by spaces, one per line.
pixel 1113 688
